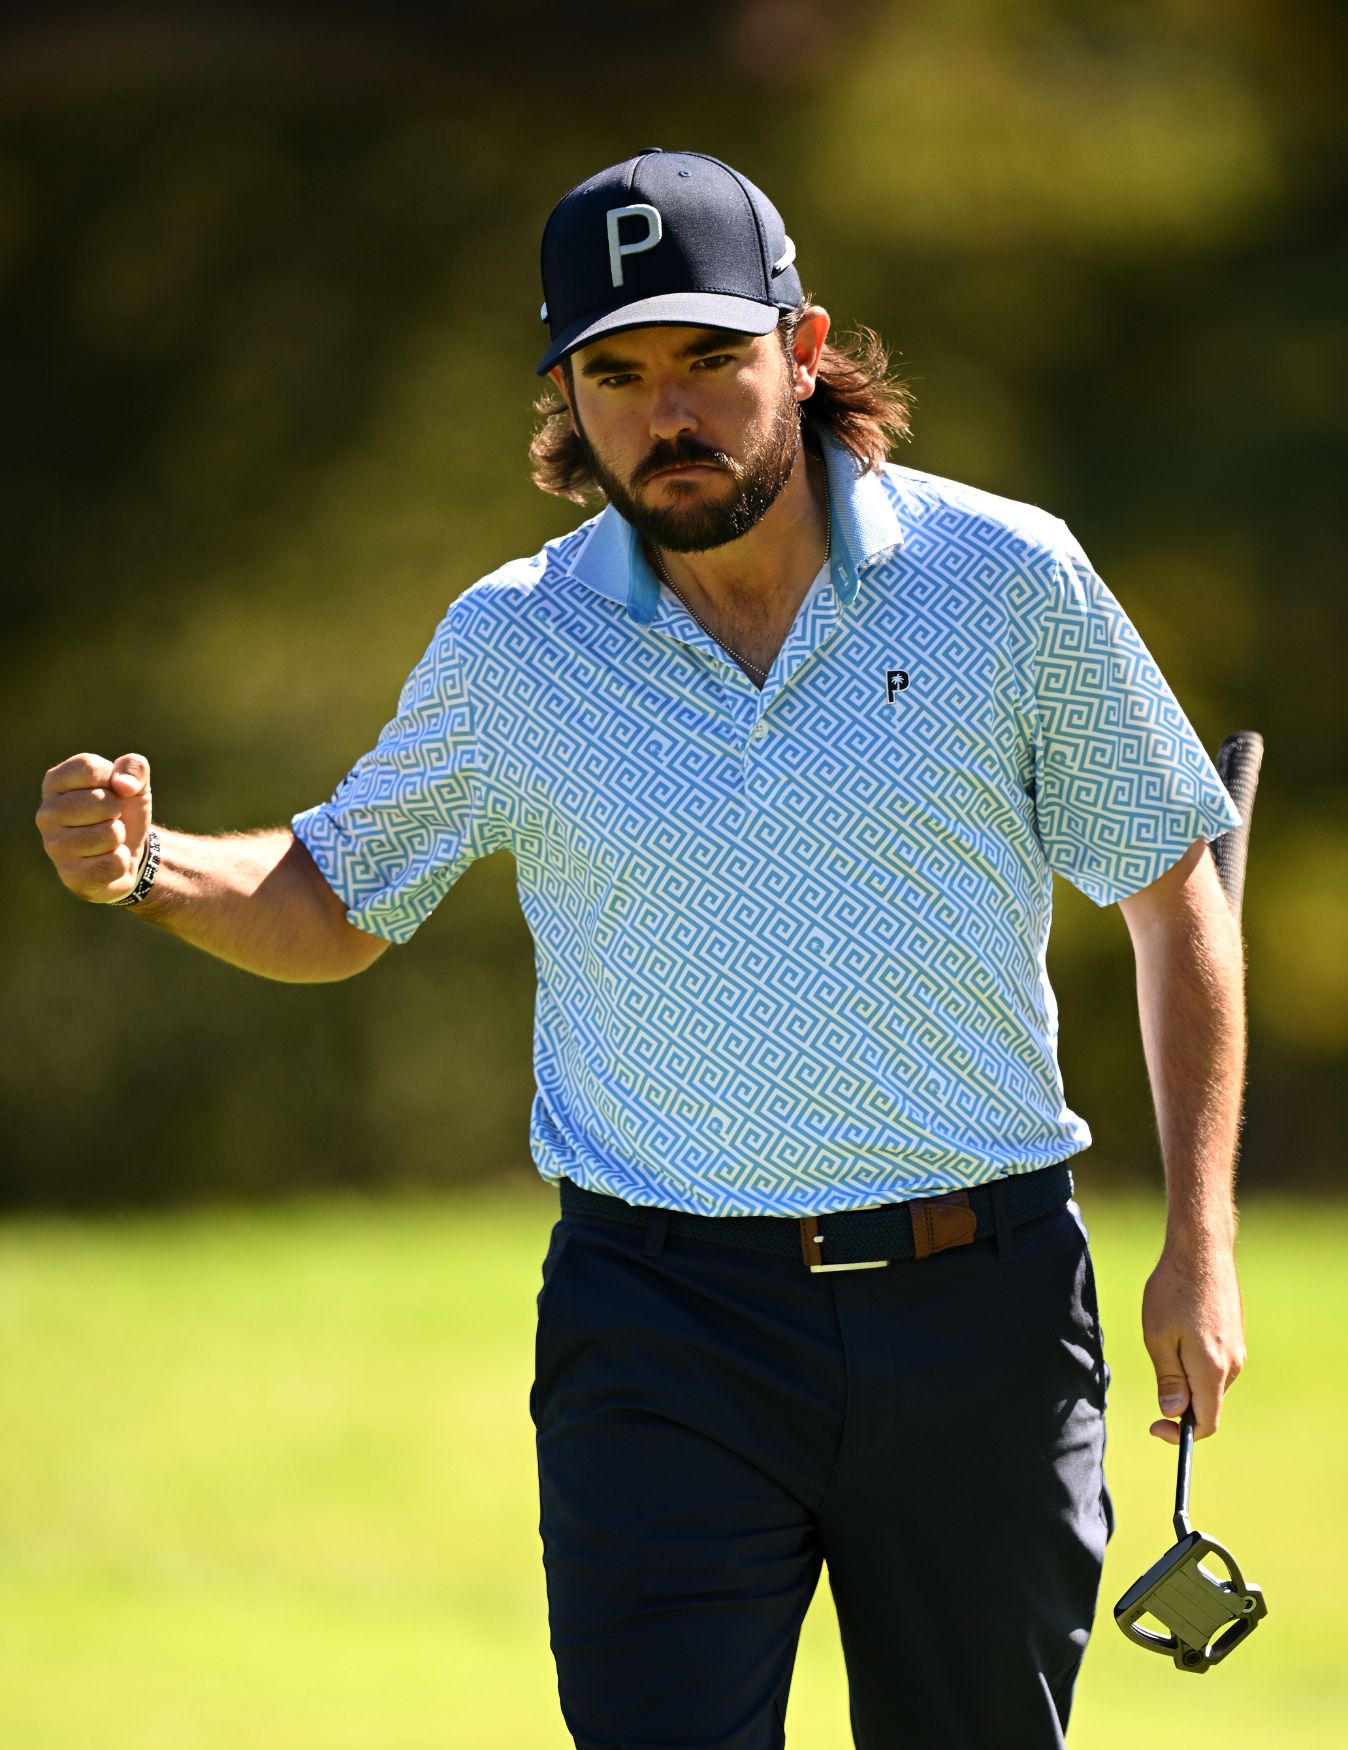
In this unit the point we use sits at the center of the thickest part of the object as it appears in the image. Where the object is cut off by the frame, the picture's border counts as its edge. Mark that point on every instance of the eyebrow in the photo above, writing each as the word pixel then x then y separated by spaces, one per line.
pixel 610 364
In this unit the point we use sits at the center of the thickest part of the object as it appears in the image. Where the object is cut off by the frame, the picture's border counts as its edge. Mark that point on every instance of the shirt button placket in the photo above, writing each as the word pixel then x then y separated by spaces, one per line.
pixel 754 743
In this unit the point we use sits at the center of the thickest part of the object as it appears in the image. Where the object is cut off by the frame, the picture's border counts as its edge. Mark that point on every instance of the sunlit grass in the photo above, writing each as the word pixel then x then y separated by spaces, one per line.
pixel 267 1479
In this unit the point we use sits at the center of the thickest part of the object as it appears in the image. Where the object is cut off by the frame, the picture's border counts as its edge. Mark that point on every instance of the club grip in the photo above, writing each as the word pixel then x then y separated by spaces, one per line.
pixel 1184 1473
pixel 1238 765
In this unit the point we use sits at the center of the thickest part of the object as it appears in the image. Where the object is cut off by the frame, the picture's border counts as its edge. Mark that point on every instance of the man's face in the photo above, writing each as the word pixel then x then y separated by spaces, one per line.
pixel 691 432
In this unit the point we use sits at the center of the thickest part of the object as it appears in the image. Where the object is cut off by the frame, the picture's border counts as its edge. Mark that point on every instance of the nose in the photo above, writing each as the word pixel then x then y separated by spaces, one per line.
pixel 671 416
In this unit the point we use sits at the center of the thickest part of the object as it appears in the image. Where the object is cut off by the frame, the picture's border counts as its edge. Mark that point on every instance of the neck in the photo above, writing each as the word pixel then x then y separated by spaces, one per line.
pixel 771 567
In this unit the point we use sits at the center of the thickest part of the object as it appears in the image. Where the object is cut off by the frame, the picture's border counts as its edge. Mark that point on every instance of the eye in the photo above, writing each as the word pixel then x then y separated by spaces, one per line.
pixel 617 381
pixel 715 361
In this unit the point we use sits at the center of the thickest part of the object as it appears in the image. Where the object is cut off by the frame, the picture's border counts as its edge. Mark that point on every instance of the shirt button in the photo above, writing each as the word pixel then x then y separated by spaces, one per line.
pixel 758 731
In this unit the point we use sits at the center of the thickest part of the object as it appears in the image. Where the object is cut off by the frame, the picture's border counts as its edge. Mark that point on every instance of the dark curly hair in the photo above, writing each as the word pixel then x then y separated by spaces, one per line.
pixel 856 399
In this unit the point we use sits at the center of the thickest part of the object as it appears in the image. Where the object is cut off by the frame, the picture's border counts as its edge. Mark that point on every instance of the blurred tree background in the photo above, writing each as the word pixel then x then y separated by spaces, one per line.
pixel 269 280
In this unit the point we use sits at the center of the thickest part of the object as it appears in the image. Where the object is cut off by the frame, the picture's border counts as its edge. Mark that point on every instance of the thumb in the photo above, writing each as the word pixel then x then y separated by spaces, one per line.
pixel 1172 1393
pixel 131 775
pixel 1172 1384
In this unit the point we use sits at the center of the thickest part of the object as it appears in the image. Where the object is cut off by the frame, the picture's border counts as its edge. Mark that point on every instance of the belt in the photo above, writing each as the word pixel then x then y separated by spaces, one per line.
pixel 854 1239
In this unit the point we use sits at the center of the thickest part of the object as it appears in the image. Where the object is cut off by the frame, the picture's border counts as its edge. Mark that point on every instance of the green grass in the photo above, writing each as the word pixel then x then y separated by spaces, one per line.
pixel 267 1480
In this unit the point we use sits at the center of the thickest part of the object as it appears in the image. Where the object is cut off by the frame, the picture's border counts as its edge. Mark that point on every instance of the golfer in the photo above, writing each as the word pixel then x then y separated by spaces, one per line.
pixel 787 744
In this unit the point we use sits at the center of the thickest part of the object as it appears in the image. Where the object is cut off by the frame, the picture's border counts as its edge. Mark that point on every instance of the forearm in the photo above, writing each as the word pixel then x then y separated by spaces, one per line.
pixel 1190 984
pixel 1191 999
pixel 258 901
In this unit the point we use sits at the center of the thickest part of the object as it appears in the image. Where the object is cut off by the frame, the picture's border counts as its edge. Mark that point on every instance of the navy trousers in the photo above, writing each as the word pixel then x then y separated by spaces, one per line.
pixel 714 1425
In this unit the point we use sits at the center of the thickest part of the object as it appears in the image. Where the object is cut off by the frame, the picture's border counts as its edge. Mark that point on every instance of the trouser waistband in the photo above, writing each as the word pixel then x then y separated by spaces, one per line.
pixel 854 1239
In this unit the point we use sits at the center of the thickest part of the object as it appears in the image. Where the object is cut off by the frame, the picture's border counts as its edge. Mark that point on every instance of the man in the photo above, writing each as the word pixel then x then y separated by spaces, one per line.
pixel 786 744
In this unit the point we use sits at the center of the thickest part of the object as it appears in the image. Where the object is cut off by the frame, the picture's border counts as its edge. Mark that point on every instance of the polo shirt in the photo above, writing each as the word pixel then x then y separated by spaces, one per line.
pixel 790 943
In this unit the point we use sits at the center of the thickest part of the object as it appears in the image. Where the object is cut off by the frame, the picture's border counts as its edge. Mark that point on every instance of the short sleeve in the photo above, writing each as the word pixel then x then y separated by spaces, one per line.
pixel 412 814
pixel 1123 785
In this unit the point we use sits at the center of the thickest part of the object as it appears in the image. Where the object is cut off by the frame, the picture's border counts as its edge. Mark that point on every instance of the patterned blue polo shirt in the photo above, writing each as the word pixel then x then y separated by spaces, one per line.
pixel 790 943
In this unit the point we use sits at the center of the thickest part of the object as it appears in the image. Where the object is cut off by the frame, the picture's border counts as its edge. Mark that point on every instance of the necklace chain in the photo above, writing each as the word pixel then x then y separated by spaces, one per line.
pixel 697 619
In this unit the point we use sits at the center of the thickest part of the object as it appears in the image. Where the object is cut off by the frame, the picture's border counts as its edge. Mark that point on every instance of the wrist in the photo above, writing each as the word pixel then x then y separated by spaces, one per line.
pixel 1210 1233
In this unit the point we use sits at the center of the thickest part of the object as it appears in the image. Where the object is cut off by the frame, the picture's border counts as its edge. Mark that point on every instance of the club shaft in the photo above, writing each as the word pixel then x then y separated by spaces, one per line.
pixel 1184 1473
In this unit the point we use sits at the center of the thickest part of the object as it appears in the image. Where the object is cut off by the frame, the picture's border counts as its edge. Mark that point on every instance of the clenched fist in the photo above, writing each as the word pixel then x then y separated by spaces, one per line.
pixel 94 819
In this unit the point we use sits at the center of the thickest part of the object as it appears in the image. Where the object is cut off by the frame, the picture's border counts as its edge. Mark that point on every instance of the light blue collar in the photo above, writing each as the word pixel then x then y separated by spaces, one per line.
pixel 611 562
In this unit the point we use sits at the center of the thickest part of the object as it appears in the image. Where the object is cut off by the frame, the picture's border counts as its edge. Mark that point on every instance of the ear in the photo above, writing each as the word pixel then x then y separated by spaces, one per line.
pixel 811 333
pixel 563 388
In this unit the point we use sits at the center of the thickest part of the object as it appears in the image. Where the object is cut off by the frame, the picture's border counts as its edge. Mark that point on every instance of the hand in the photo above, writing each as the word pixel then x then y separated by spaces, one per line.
pixel 1193 1330
pixel 94 819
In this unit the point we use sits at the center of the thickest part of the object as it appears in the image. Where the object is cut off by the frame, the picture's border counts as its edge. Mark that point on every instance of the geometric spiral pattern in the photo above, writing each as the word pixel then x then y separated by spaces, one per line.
pixel 790 943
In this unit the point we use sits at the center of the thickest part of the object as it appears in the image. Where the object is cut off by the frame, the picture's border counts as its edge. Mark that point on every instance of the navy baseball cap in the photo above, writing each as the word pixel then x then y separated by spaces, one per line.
pixel 665 237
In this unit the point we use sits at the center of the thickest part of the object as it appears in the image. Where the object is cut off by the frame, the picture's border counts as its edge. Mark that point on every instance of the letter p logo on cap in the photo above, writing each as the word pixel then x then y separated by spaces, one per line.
pixel 617 249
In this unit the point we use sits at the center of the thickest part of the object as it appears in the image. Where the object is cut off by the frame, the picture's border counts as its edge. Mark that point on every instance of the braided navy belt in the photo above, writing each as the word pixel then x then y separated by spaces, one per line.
pixel 855 1239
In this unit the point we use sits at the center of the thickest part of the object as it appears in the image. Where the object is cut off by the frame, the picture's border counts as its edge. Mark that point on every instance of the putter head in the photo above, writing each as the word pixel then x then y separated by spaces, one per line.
pixel 1206 1616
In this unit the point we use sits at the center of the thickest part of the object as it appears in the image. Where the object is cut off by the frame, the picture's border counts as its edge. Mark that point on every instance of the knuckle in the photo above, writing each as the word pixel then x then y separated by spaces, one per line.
pixel 112 833
pixel 68 774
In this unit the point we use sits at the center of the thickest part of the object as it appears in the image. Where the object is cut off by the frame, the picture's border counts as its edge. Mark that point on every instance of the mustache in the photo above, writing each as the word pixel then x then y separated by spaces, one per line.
pixel 681 453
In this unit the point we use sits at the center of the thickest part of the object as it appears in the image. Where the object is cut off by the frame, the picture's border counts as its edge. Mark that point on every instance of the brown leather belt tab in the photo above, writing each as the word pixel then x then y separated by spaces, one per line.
pixel 940 1223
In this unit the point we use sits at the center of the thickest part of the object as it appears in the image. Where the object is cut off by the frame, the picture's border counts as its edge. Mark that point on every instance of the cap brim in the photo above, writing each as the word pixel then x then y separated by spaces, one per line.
pixel 673 309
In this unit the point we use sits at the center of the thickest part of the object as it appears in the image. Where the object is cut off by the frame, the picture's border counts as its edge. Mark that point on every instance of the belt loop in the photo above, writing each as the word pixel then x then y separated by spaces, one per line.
pixel 657 1226
pixel 1001 1218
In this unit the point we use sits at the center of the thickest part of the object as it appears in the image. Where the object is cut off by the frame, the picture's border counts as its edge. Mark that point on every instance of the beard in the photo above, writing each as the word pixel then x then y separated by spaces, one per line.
pixel 698 525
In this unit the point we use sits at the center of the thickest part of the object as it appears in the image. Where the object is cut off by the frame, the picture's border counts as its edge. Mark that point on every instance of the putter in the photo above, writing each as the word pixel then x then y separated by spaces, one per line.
pixel 1206 1615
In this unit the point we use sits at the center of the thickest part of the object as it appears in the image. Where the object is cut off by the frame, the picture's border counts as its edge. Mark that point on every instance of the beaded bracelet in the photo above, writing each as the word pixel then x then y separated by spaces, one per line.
pixel 149 868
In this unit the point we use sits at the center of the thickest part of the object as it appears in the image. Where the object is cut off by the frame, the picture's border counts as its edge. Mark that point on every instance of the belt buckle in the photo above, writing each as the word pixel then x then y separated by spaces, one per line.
pixel 811 1239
